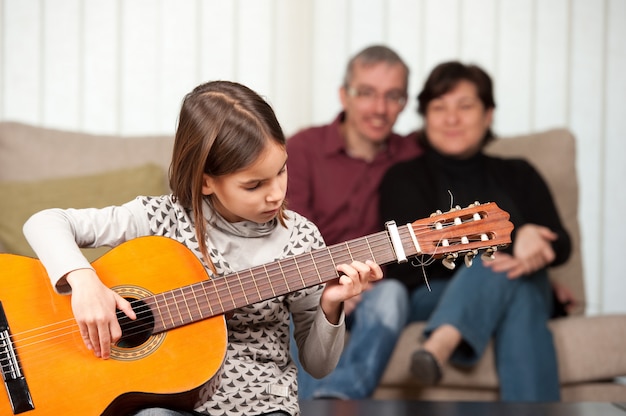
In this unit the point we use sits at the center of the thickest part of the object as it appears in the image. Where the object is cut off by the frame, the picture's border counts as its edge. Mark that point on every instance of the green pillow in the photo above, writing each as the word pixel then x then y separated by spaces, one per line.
pixel 19 200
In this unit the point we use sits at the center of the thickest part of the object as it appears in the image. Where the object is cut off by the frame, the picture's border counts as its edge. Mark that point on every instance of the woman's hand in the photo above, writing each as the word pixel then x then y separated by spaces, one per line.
pixel 532 251
pixel 353 280
pixel 94 306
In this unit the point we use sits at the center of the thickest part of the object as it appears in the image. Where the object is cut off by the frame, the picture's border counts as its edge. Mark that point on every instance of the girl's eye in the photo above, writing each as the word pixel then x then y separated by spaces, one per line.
pixel 253 187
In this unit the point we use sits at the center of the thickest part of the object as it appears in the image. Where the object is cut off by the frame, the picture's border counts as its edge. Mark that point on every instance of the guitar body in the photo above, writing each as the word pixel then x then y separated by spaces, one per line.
pixel 172 368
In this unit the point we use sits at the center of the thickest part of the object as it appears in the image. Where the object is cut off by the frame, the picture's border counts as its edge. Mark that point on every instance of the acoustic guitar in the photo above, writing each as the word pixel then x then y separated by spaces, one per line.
pixel 162 359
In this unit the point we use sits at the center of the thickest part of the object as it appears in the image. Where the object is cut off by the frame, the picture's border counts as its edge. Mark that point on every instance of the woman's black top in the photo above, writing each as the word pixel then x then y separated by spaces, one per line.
pixel 414 189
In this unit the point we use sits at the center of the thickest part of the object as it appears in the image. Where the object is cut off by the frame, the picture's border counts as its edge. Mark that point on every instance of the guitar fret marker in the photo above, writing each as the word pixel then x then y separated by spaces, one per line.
pixel 295 261
pixel 269 279
pixel 319 276
pixel 349 252
pixel 195 298
pixel 243 289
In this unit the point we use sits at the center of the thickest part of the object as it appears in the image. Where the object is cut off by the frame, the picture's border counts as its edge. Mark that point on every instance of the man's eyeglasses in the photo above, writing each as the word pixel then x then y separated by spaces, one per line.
pixel 369 95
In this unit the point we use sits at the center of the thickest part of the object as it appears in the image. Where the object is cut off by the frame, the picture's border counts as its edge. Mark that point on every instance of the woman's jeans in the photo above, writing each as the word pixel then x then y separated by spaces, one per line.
pixel 484 305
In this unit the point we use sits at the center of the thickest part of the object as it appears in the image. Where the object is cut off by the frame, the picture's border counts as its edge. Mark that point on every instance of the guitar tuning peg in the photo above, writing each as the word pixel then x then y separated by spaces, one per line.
pixel 469 257
pixel 438 212
pixel 448 261
pixel 488 254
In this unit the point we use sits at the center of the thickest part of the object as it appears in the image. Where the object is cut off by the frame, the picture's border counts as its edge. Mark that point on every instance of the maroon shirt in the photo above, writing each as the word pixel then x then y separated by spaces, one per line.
pixel 335 191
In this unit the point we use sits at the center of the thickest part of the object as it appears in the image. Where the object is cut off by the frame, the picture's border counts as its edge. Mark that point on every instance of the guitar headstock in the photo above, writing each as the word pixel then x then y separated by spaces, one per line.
pixel 461 231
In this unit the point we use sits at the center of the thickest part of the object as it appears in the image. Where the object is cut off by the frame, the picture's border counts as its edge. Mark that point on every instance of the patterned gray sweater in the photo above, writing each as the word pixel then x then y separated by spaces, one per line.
pixel 258 375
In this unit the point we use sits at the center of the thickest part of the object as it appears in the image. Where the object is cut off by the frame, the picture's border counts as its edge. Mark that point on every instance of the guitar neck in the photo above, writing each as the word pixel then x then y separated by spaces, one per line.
pixel 458 231
pixel 218 296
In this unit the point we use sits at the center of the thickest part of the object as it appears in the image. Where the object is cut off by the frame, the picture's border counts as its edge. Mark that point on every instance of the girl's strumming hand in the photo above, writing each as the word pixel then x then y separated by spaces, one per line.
pixel 94 306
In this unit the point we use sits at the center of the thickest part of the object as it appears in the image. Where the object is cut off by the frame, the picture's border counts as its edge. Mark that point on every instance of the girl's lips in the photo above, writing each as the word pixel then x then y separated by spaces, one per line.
pixel 271 212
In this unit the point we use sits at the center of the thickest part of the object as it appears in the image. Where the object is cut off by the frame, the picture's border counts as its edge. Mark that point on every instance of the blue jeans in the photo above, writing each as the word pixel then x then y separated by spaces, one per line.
pixel 484 305
pixel 375 325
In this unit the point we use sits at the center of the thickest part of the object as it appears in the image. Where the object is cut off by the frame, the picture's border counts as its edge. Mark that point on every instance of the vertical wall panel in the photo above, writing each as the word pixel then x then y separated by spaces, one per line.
pixel 405 37
pixel 366 23
pixel 442 32
pixel 22 69
pixel 586 111
pixel 141 46
pixel 330 51
pixel 551 65
pixel 2 56
pixel 62 78
pixel 612 299
pixel 100 93
pixel 478 33
pixel 178 62
pixel 513 75
pixel 293 44
pixel 217 32
pixel 255 37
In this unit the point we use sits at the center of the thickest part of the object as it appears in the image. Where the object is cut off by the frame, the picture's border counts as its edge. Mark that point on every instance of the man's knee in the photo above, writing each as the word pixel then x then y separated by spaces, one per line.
pixel 389 301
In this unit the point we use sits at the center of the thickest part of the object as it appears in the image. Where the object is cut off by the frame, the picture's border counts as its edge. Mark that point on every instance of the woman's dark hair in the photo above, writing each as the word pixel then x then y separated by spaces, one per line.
pixel 223 127
pixel 445 77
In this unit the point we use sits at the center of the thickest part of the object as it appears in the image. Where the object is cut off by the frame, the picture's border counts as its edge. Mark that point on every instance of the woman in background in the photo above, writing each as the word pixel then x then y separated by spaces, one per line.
pixel 507 299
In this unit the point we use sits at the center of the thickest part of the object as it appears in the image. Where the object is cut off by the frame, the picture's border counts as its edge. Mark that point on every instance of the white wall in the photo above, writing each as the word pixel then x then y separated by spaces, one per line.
pixel 123 67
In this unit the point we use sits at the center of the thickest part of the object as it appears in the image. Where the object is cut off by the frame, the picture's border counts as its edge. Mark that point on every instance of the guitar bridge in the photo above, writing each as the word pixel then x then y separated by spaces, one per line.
pixel 14 381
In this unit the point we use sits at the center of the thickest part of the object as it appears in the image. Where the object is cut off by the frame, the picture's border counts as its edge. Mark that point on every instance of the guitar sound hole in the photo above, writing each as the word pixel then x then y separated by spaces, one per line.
pixel 135 333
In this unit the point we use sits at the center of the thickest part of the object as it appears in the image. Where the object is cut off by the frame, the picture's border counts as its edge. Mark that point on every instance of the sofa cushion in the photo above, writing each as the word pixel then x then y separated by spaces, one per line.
pixel 22 199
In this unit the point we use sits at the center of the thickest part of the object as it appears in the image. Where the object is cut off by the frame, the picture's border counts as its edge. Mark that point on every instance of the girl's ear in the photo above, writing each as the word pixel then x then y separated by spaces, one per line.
pixel 207 184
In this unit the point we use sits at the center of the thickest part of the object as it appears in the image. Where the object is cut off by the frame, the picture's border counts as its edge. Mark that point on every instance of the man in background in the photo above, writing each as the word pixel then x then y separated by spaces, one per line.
pixel 334 174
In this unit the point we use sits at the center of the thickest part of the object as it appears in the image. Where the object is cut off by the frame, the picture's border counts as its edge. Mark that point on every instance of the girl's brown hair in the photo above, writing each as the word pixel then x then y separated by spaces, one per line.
pixel 223 127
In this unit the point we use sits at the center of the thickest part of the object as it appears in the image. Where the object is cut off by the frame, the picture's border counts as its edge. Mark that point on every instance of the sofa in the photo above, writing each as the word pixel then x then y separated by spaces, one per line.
pixel 42 167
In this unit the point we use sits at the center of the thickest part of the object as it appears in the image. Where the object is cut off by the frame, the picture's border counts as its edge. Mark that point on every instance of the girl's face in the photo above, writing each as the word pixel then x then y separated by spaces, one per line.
pixel 255 193
pixel 457 122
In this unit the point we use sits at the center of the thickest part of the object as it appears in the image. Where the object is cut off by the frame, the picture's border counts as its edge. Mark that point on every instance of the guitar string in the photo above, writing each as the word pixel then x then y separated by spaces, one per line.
pixel 224 286
pixel 56 331
pixel 218 290
pixel 207 297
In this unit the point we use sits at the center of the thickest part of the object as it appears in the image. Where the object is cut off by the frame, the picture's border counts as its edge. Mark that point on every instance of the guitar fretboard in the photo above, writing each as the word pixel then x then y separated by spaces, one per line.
pixel 217 296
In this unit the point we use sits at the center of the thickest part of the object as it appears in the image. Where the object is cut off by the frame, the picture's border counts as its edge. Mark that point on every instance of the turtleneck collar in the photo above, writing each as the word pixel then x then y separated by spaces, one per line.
pixel 450 163
pixel 248 229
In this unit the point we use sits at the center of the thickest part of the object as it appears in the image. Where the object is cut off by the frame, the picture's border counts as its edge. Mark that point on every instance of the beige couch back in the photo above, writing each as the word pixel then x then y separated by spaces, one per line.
pixel 33 153
pixel 553 154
